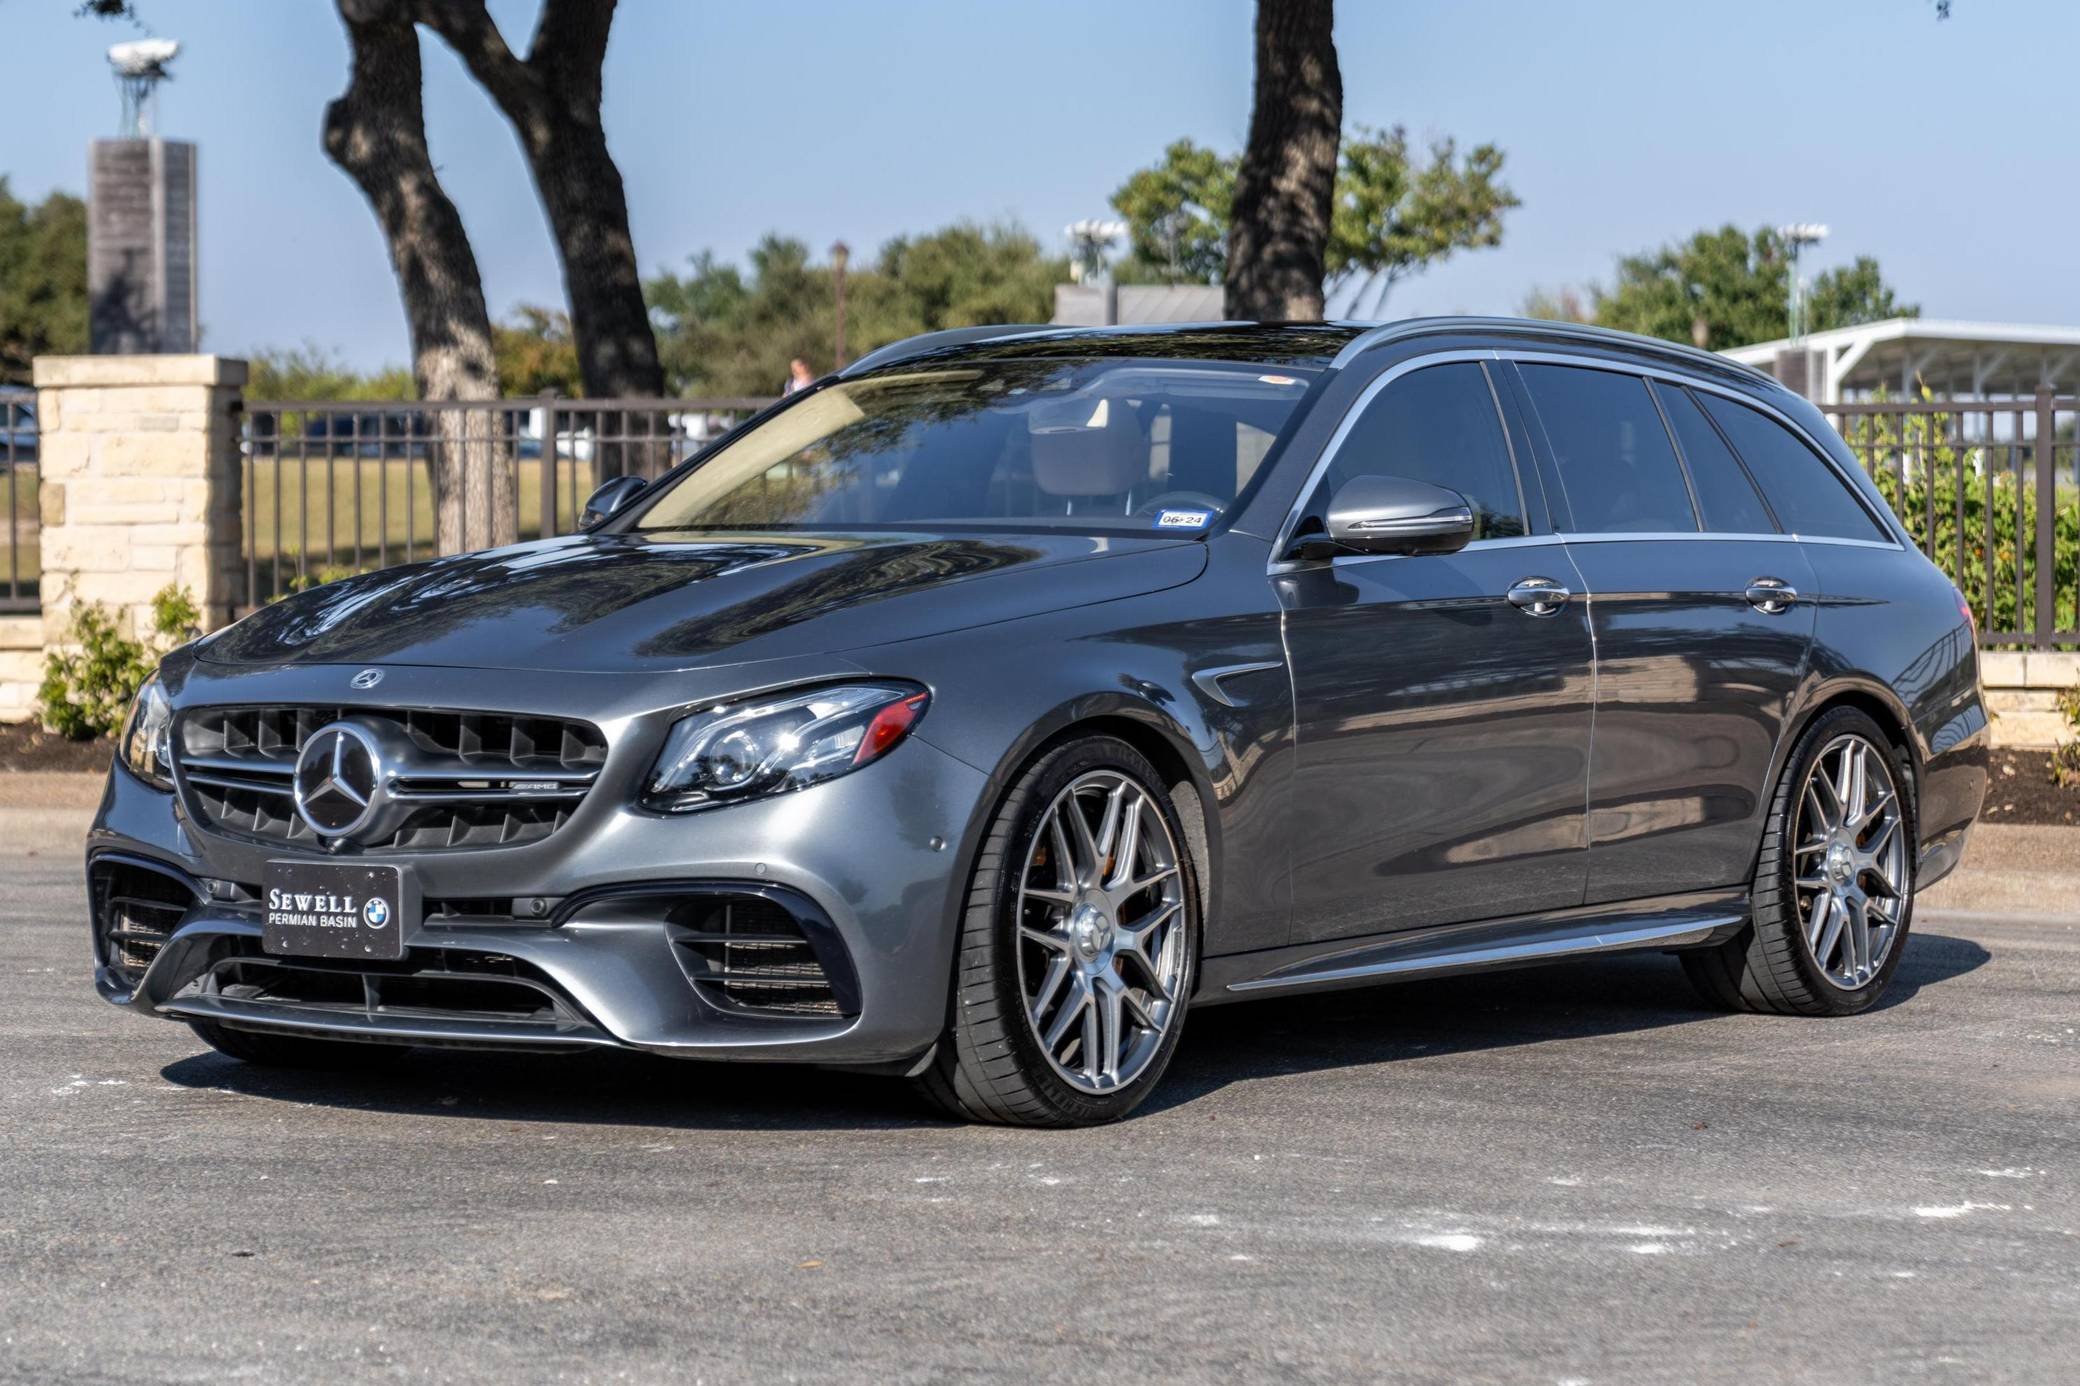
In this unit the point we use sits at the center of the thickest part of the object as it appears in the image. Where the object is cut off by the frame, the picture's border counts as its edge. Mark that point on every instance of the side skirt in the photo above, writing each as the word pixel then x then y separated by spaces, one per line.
pixel 1683 921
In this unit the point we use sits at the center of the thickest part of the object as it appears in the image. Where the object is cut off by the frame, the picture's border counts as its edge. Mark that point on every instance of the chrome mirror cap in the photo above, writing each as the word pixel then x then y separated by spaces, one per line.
pixel 1391 514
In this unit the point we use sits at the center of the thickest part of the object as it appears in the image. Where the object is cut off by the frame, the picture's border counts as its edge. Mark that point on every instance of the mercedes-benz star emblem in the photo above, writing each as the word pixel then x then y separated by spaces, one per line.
pixel 339 780
pixel 367 678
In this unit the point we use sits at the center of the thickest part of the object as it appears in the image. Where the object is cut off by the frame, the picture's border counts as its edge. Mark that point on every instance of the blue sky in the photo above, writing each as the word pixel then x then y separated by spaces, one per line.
pixel 1945 149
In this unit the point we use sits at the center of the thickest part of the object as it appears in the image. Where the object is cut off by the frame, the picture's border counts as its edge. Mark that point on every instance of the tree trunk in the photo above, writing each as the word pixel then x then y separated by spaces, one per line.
pixel 553 100
pixel 1279 234
pixel 376 132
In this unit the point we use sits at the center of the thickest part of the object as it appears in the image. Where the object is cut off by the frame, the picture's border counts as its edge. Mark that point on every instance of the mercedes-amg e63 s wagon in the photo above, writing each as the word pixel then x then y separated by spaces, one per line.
pixel 976 714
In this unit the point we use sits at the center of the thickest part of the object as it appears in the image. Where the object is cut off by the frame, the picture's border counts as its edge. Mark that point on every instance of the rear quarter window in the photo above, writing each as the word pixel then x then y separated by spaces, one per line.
pixel 1809 498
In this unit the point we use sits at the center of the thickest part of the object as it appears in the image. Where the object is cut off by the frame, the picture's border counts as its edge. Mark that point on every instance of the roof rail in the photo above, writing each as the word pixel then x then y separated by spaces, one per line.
pixel 932 341
pixel 1416 327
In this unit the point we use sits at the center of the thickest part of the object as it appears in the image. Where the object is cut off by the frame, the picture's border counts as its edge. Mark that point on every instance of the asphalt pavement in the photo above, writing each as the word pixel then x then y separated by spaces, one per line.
pixel 1566 1175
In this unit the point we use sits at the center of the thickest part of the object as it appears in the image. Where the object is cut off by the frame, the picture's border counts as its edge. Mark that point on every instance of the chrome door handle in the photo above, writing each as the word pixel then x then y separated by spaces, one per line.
pixel 1538 596
pixel 1771 596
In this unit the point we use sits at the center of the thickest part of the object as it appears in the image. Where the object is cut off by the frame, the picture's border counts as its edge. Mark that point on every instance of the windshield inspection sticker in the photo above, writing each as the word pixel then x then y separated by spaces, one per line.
pixel 1183 519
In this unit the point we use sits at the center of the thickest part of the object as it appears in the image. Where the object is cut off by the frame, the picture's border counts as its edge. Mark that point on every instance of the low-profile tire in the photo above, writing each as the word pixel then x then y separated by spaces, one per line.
pixel 1833 892
pixel 296 1051
pixel 1105 920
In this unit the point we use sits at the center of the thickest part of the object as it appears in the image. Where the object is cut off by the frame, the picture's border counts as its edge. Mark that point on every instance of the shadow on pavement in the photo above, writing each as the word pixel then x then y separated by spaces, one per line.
pixel 1222 1045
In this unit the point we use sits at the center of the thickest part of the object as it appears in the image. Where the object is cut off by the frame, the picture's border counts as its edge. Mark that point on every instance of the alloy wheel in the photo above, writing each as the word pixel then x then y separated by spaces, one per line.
pixel 1102 933
pixel 1849 867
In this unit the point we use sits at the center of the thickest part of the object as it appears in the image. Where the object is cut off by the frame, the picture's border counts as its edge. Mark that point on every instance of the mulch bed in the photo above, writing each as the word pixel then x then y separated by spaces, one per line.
pixel 2021 791
pixel 26 746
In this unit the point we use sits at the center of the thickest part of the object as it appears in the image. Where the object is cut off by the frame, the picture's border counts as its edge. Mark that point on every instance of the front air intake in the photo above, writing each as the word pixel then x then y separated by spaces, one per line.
pixel 136 909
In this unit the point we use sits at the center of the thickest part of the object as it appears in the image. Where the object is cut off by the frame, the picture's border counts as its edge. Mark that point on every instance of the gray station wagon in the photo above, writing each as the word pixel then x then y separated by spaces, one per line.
pixel 978 713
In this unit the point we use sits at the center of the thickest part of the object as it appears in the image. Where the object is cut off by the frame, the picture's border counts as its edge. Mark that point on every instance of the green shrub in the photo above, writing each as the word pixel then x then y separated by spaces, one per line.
pixel 89 681
pixel 2065 761
pixel 1962 516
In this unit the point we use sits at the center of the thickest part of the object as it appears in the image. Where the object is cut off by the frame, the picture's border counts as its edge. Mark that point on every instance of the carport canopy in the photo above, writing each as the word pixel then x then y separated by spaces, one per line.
pixel 1951 358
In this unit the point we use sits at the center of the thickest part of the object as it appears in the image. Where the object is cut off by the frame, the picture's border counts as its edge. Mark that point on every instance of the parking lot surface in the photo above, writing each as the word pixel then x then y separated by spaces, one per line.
pixel 1567 1175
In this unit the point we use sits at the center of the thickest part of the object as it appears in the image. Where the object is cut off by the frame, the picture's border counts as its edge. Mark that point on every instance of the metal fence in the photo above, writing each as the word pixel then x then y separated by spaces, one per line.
pixel 20 562
pixel 335 487
pixel 1991 493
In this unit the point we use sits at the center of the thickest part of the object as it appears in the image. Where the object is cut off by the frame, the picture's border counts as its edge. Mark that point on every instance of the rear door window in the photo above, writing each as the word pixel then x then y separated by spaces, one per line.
pixel 1804 491
pixel 1443 425
pixel 1724 493
pixel 1616 464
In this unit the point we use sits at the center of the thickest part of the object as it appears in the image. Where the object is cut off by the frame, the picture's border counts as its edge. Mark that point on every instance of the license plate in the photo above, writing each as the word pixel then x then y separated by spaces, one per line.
pixel 328 910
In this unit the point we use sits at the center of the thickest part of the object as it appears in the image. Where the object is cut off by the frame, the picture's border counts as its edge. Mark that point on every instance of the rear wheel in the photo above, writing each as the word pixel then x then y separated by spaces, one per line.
pixel 295 1051
pixel 1078 948
pixel 1834 884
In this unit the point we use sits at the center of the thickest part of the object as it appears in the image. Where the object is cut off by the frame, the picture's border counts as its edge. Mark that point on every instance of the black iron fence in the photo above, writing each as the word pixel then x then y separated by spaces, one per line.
pixel 1989 490
pixel 21 565
pixel 1991 493
pixel 335 487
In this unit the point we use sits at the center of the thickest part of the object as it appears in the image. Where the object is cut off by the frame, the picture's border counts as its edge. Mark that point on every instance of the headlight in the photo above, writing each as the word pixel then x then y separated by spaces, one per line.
pixel 778 743
pixel 147 745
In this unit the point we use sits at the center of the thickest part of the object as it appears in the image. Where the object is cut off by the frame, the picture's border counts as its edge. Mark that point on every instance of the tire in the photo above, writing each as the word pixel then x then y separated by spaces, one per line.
pixel 993 1064
pixel 1771 966
pixel 295 1051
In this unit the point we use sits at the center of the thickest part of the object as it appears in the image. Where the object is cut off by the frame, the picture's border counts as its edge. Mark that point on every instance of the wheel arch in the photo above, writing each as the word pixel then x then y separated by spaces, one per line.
pixel 1149 729
pixel 1876 702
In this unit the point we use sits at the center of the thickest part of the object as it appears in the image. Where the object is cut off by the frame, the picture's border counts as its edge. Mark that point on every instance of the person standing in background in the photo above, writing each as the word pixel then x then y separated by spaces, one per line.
pixel 799 376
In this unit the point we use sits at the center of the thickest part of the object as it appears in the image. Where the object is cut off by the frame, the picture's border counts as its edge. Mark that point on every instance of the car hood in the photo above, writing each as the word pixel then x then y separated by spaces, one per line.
pixel 677 601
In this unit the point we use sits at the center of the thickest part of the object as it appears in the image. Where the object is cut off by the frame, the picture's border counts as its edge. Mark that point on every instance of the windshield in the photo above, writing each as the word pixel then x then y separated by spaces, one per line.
pixel 1085 446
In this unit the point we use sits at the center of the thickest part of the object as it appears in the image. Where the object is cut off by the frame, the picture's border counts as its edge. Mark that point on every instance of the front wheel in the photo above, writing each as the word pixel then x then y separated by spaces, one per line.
pixel 1078 948
pixel 1834 883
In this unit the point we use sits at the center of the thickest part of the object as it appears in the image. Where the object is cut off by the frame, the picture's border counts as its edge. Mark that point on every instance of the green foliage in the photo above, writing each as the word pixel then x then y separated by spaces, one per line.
pixel 536 352
pixel 1177 215
pixel 1563 304
pixel 89 682
pixel 1945 492
pixel 2065 761
pixel 313 373
pixel 1395 214
pixel 43 281
pixel 1729 288
pixel 316 577
pixel 722 331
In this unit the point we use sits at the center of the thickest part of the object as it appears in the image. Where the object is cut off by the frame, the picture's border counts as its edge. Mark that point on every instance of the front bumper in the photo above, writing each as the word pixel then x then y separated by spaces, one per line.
pixel 872 865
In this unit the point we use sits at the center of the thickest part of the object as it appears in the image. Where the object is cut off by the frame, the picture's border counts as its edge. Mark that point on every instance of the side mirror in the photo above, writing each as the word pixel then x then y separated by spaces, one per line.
pixel 1391 514
pixel 613 497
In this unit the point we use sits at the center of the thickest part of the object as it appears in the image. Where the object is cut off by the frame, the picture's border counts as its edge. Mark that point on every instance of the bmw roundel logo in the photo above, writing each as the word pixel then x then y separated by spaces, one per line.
pixel 376 912
pixel 367 678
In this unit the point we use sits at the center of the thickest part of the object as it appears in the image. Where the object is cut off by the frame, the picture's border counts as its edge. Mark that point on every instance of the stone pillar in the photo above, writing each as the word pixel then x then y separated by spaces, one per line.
pixel 140 484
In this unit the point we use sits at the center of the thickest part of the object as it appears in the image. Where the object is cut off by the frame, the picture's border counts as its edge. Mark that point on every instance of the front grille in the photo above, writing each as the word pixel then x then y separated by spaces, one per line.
pixel 750 954
pixel 461 779
pixel 135 910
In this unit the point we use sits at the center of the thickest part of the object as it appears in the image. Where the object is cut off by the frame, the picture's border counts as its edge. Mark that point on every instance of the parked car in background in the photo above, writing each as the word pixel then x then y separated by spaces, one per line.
pixel 17 426
pixel 979 712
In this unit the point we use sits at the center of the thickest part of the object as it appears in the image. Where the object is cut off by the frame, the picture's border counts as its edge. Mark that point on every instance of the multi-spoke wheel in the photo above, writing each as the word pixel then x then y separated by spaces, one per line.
pixel 1850 864
pixel 1078 949
pixel 1101 930
pixel 1834 883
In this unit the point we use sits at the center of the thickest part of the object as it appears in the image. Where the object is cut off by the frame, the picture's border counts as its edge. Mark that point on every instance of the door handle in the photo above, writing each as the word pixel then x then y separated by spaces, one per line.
pixel 1771 596
pixel 1538 596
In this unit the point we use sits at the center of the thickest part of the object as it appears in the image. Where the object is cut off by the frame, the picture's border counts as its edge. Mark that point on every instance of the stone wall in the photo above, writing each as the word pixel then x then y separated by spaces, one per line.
pixel 2022 693
pixel 21 666
pixel 140 484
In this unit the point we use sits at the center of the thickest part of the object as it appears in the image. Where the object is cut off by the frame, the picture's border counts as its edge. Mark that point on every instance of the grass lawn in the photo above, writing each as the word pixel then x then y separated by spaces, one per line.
pixel 19 556
pixel 395 501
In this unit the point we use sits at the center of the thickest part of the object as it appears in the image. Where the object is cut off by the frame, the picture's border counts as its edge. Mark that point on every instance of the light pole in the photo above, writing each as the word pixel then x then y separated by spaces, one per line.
pixel 840 253
pixel 1797 237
